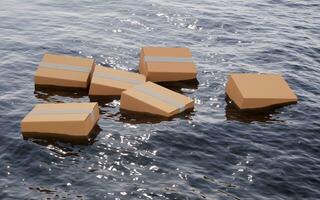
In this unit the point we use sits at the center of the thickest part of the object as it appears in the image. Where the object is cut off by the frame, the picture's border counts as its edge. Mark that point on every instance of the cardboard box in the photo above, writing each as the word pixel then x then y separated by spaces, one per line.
pixel 251 91
pixel 111 82
pixel 72 122
pixel 161 64
pixel 64 71
pixel 154 99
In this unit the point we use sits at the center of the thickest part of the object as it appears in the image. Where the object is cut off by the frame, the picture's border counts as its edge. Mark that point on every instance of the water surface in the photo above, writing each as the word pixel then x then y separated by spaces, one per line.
pixel 214 152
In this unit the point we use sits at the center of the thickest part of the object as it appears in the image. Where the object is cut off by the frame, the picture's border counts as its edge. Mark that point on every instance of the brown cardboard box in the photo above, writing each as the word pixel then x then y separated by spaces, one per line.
pixel 154 99
pixel 110 82
pixel 65 121
pixel 250 91
pixel 64 71
pixel 160 64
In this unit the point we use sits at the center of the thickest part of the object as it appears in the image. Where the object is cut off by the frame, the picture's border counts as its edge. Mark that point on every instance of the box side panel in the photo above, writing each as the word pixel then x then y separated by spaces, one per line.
pixel 104 90
pixel 172 67
pixel 189 105
pixel 169 76
pixel 62 127
pixel 46 81
pixel 128 102
pixel 142 67
pixel 233 92
pixel 90 75
pixel 91 120
pixel 265 103
pixel 165 71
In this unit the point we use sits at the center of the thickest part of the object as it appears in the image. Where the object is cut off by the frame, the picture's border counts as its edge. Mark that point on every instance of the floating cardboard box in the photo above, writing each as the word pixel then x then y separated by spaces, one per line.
pixel 250 91
pixel 161 64
pixel 64 71
pixel 154 99
pixel 111 82
pixel 64 121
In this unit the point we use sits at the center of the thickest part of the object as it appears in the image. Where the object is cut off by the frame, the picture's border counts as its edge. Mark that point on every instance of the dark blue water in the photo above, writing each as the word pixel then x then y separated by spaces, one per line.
pixel 215 152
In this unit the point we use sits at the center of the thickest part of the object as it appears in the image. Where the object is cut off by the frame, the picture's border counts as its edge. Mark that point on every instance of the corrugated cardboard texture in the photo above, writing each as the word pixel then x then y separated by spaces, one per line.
pixel 64 71
pixel 154 99
pixel 167 64
pixel 111 82
pixel 65 121
pixel 250 91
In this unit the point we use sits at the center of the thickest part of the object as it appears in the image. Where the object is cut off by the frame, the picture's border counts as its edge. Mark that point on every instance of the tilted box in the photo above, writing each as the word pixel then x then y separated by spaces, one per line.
pixel 251 91
pixel 64 121
pixel 154 99
pixel 162 64
pixel 111 82
pixel 64 71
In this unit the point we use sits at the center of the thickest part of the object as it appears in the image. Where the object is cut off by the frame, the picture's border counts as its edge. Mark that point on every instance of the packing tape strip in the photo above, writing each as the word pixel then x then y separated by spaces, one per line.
pixel 60 111
pixel 167 59
pixel 64 67
pixel 162 98
pixel 108 76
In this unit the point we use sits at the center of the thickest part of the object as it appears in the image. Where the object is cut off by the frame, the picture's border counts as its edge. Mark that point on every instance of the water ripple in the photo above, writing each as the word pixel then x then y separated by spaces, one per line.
pixel 213 152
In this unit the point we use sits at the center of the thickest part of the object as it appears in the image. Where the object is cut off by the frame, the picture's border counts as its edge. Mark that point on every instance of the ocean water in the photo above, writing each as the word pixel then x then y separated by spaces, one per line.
pixel 214 152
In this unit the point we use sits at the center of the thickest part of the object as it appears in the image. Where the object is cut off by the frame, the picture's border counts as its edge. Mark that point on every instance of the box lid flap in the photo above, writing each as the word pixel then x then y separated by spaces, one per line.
pixel 168 60
pixel 263 86
pixel 160 97
pixel 116 78
pixel 64 67
pixel 60 112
